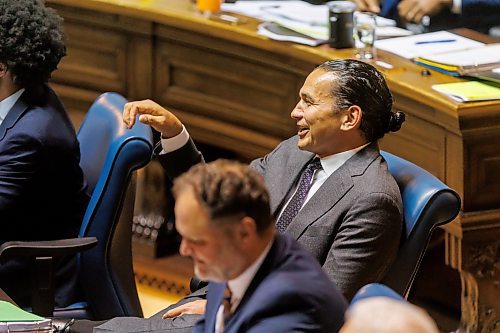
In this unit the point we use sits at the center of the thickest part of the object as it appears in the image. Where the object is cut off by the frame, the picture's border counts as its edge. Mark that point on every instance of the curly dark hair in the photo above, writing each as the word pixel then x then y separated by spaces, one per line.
pixel 31 40
pixel 227 188
pixel 361 84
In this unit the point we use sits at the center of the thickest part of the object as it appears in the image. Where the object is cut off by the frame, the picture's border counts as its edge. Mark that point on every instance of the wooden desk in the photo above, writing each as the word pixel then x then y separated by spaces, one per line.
pixel 235 89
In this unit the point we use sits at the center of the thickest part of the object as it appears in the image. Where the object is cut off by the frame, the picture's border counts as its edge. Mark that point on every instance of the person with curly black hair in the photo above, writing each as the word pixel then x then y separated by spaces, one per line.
pixel 43 193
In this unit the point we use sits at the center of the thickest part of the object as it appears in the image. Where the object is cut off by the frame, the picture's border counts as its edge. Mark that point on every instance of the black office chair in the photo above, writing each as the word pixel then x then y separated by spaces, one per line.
pixel 427 204
pixel 110 153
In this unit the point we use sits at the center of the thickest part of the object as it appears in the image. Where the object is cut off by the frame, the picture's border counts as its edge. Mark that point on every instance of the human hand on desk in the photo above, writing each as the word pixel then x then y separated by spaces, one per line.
pixel 409 10
pixel 153 114
pixel 414 10
pixel 368 5
pixel 194 307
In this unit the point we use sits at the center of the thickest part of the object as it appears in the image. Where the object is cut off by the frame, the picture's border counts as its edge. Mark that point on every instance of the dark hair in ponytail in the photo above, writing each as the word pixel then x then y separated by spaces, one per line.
pixel 361 84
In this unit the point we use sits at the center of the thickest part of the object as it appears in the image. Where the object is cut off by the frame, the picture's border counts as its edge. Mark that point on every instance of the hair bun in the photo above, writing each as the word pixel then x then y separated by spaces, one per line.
pixel 397 119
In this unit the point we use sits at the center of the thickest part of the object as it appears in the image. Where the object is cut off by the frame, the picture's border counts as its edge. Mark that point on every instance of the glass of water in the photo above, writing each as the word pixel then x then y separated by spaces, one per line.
pixel 364 35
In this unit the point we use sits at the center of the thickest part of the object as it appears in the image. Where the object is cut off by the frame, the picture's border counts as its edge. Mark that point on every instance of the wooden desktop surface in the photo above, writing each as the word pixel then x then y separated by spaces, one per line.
pixel 235 90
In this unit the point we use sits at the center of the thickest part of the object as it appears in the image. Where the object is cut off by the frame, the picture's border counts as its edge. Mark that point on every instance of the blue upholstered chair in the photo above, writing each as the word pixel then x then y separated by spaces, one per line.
pixel 376 290
pixel 110 153
pixel 427 204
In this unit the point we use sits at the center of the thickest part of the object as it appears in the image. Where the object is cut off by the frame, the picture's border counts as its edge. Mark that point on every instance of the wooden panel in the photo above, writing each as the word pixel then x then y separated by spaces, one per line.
pixel 244 94
pixel 424 148
pixel 454 164
pixel 76 101
pixel 206 78
pixel 139 75
pixel 105 52
pixel 482 170
pixel 96 59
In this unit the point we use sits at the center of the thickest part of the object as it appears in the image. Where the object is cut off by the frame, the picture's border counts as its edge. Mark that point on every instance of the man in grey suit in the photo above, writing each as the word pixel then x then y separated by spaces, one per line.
pixel 350 218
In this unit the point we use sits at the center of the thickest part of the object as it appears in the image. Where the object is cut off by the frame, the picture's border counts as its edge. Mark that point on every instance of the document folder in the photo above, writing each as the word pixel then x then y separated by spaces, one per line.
pixel 469 91
pixel 469 61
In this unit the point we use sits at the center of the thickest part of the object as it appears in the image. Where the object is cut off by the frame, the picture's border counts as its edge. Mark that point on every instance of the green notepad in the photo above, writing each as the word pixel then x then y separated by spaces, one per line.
pixel 10 312
pixel 14 319
pixel 469 91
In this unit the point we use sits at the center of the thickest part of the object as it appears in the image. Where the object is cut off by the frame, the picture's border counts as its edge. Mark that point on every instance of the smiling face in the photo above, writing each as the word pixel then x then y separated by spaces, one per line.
pixel 318 120
pixel 215 252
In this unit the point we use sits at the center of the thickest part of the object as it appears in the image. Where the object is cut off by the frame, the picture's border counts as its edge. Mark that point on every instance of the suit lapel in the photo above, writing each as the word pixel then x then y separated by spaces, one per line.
pixel 289 176
pixel 217 290
pixel 270 262
pixel 13 116
pixel 334 188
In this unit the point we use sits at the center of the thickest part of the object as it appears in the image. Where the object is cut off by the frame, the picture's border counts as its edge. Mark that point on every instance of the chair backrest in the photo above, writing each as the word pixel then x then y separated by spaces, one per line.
pixel 109 154
pixel 427 204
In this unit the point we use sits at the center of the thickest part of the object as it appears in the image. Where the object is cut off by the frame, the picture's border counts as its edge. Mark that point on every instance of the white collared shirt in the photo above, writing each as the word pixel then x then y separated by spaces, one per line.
pixel 329 165
pixel 7 103
pixel 239 286
pixel 172 144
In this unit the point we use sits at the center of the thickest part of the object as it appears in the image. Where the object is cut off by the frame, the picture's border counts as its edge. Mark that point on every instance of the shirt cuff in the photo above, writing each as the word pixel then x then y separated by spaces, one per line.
pixel 172 144
pixel 456 7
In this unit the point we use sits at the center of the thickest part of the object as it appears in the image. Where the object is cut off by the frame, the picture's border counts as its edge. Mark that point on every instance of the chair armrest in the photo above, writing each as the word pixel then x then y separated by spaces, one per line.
pixel 55 248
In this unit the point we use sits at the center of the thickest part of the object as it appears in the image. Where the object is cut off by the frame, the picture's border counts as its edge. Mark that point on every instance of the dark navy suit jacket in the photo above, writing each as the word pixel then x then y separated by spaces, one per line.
pixel 42 188
pixel 289 293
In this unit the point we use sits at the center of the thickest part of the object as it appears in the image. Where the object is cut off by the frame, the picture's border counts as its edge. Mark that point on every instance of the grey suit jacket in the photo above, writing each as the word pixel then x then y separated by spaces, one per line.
pixel 352 224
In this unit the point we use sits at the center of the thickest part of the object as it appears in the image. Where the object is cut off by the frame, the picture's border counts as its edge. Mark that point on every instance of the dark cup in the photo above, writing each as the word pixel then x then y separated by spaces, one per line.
pixel 341 15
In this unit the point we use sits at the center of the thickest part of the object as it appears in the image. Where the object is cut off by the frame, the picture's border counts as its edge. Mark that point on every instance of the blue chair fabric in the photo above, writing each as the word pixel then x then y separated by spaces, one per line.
pixel 109 154
pixel 375 290
pixel 427 204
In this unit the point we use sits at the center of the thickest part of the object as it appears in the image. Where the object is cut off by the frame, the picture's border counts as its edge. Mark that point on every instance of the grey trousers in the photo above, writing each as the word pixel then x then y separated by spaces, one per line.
pixel 182 324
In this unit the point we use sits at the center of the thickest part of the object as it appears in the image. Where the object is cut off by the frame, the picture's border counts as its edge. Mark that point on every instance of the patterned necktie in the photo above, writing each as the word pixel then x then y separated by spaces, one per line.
pixel 226 301
pixel 300 195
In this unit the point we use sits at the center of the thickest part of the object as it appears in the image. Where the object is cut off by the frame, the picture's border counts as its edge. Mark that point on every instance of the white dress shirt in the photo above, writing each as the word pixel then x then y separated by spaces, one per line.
pixel 7 103
pixel 172 144
pixel 239 286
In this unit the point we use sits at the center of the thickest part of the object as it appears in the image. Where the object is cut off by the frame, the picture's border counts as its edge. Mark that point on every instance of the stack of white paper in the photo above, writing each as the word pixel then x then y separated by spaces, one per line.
pixel 302 17
pixel 426 44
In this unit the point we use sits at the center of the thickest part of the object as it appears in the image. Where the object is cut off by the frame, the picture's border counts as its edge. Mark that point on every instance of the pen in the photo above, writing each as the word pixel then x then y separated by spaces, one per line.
pixel 435 41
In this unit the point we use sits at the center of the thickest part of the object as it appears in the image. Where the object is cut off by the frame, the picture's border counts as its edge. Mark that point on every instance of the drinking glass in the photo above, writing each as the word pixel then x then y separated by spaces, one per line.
pixel 364 35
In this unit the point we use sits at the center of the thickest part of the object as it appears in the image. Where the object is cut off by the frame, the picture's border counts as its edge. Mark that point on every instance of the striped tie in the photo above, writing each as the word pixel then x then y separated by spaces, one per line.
pixel 226 302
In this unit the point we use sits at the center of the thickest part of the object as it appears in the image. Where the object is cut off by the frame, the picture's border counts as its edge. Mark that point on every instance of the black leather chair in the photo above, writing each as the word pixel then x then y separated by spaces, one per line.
pixel 110 153
pixel 427 204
